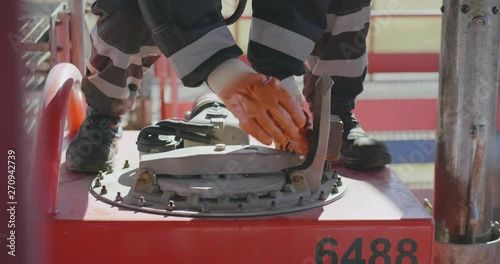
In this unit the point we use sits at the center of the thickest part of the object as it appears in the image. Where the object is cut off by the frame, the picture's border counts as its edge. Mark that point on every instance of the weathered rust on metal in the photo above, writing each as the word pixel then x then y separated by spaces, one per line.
pixel 334 139
pixel 77 8
pixel 471 253
pixel 466 133
pixel 478 134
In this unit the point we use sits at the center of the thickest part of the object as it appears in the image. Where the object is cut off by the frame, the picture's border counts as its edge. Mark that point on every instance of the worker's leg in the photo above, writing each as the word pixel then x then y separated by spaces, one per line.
pixel 192 34
pixel 282 35
pixel 122 50
pixel 341 53
pixel 194 37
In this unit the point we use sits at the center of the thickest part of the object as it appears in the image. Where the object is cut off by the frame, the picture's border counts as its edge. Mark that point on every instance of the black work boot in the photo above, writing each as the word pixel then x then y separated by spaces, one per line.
pixel 95 144
pixel 358 150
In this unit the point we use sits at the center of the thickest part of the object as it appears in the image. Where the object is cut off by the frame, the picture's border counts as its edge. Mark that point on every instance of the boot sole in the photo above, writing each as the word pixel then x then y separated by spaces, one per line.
pixel 91 168
pixel 359 164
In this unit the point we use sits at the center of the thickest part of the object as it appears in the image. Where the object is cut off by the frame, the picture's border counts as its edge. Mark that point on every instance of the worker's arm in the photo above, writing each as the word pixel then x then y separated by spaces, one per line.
pixel 200 47
pixel 262 105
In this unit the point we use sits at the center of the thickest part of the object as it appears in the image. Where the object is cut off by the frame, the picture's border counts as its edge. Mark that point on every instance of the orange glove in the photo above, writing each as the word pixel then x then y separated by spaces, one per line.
pixel 264 109
pixel 299 144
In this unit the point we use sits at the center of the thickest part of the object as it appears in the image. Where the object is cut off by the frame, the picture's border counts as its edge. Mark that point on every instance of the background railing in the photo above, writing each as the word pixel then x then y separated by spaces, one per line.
pixel 397 62
pixel 393 59
pixel 380 62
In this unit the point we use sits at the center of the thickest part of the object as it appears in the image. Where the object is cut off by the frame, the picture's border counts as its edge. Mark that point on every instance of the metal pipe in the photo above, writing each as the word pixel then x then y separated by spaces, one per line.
pixel 34 47
pixel 77 34
pixel 44 177
pixel 63 39
pixel 160 68
pixel 237 27
pixel 466 132
pixel 174 94
pixel 405 13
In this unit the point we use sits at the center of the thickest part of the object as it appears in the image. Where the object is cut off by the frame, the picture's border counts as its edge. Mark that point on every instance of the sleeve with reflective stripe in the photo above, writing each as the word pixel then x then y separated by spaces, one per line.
pixel 341 50
pixel 192 34
pixel 283 33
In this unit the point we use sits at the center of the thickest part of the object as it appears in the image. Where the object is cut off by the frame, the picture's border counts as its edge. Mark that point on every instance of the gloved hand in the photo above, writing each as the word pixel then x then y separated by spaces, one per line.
pixel 299 144
pixel 264 109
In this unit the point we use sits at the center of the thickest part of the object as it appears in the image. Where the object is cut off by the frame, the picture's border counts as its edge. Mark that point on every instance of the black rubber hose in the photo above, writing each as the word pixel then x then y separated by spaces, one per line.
pixel 237 13
pixel 152 133
pixel 208 129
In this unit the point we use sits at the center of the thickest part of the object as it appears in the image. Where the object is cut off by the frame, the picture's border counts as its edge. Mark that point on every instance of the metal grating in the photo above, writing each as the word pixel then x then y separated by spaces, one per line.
pixel 41 8
pixel 36 61
pixel 35 29
pixel 35 24
pixel 35 20
pixel 400 89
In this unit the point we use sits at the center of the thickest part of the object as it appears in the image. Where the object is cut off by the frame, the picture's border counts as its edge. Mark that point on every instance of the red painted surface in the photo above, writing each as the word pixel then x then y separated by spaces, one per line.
pixel 274 240
pixel 400 114
pixel 403 62
pixel 377 208
pixel 397 62
pixel 397 115
pixel 389 114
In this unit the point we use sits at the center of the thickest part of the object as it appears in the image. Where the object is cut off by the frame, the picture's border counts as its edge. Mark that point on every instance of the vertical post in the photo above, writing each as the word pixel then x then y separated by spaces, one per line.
pixel 174 93
pixel 62 40
pixel 77 9
pixel 466 132
pixel 161 74
pixel 236 27
pixel 370 49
